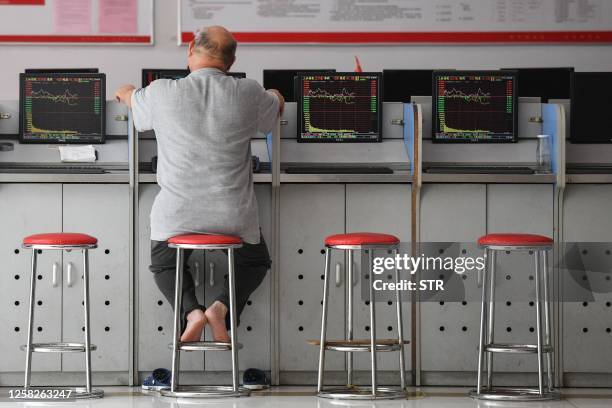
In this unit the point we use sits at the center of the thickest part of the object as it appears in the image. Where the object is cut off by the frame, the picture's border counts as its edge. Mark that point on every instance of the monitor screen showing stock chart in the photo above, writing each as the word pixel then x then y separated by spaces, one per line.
pixel 62 108
pixel 475 107
pixel 340 107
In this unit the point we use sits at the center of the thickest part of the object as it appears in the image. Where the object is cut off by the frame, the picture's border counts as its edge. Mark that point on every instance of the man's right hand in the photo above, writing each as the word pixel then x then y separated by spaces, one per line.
pixel 281 101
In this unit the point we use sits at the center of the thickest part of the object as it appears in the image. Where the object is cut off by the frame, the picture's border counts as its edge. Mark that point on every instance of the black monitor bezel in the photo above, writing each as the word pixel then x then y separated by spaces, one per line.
pixel 61 70
pixel 146 71
pixel 401 70
pixel 300 102
pixel 237 75
pixel 574 139
pixel 22 78
pixel 434 111
pixel 296 73
pixel 543 98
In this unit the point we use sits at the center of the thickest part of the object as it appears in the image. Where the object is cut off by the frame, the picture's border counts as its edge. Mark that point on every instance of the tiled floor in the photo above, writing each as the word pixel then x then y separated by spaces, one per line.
pixel 303 397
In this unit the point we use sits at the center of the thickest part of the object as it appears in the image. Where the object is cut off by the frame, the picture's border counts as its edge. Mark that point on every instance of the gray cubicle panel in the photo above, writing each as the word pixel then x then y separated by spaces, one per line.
pixel 529 209
pixel 96 204
pixel 450 213
pixel 308 213
pixel 155 316
pixel 381 208
pixel 254 328
pixel 23 212
pixel 85 206
pixel 462 213
pixel 587 344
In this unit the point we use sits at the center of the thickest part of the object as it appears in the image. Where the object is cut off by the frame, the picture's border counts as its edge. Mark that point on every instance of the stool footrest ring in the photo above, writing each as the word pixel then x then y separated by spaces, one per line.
pixel 516 348
pixel 383 345
pixel 515 394
pixel 58 347
pixel 205 391
pixel 205 346
pixel 362 393
pixel 75 392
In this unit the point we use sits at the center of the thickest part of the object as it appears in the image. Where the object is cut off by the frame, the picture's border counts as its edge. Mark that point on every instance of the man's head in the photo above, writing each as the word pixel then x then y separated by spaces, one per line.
pixel 212 47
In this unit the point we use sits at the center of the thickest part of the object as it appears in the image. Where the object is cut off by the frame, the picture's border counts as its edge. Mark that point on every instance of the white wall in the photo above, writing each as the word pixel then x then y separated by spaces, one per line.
pixel 123 63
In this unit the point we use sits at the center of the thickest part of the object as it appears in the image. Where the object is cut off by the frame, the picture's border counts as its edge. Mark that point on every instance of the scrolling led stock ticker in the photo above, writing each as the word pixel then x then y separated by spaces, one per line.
pixel 340 107
pixel 62 108
pixel 475 107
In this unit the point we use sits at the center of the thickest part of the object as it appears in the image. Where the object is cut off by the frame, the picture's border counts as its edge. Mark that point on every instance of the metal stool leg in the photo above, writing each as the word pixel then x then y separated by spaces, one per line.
pixel 547 319
pixel 28 367
pixel 491 324
pixel 349 318
pixel 86 317
pixel 178 294
pixel 539 322
pixel 400 326
pixel 483 310
pixel 233 334
pixel 372 323
pixel 323 321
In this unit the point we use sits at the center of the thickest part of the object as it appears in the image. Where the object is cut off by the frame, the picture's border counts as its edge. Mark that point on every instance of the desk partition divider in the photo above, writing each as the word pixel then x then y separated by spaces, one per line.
pixel 554 125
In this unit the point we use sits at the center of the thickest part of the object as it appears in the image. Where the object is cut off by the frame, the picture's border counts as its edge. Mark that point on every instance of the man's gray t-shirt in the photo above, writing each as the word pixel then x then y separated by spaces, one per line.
pixel 204 124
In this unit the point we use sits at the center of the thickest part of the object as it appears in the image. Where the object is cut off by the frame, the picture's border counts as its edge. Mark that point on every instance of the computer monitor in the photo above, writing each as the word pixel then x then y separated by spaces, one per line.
pixel 545 83
pixel 239 75
pixel 62 108
pixel 475 107
pixel 283 80
pixel 61 71
pixel 340 107
pixel 591 107
pixel 150 75
pixel 402 84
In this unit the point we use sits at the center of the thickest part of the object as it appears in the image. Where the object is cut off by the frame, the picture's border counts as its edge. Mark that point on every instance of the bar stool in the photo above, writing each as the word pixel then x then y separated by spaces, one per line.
pixel 204 242
pixel 352 242
pixel 63 241
pixel 540 246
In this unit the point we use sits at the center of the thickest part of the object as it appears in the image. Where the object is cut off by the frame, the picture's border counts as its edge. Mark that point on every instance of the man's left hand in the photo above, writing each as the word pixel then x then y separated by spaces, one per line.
pixel 124 94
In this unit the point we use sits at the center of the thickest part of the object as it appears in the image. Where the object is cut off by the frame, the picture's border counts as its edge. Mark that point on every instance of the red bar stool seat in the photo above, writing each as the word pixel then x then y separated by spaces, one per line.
pixel 70 239
pixel 205 239
pixel 539 246
pixel 510 239
pixel 62 241
pixel 360 241
pixel 204 242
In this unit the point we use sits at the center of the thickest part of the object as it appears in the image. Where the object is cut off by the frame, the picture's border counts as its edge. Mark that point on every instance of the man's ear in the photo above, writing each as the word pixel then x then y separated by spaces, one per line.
pixel 191 48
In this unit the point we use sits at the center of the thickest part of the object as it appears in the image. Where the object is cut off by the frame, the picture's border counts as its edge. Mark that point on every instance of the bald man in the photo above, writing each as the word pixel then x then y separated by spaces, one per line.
pixel 204 124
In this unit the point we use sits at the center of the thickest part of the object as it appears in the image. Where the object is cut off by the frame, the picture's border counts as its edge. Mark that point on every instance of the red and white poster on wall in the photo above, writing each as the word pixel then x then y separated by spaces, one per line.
pixel 403 21
pixel 76 21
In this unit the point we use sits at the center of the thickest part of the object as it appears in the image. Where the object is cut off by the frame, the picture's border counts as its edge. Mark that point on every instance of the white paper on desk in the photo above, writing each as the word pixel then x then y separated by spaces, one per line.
pixel 85 153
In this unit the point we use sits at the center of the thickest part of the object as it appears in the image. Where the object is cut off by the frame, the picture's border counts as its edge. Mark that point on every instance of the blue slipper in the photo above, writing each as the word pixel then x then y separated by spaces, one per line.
pixel 255 379
pixel 158 380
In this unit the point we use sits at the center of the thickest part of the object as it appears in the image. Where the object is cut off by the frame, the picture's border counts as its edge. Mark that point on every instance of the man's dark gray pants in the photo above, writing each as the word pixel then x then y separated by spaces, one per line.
pixel 251 263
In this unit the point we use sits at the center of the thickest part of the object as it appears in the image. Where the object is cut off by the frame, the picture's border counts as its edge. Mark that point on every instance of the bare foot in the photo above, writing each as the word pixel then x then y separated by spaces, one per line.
pixel 215 315
pixel 196 320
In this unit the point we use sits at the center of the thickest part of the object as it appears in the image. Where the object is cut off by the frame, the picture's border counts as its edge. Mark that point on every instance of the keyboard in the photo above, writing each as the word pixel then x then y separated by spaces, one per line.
pixel 38 169
pixel 338 170
pixel 590 170
pixel 479 170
